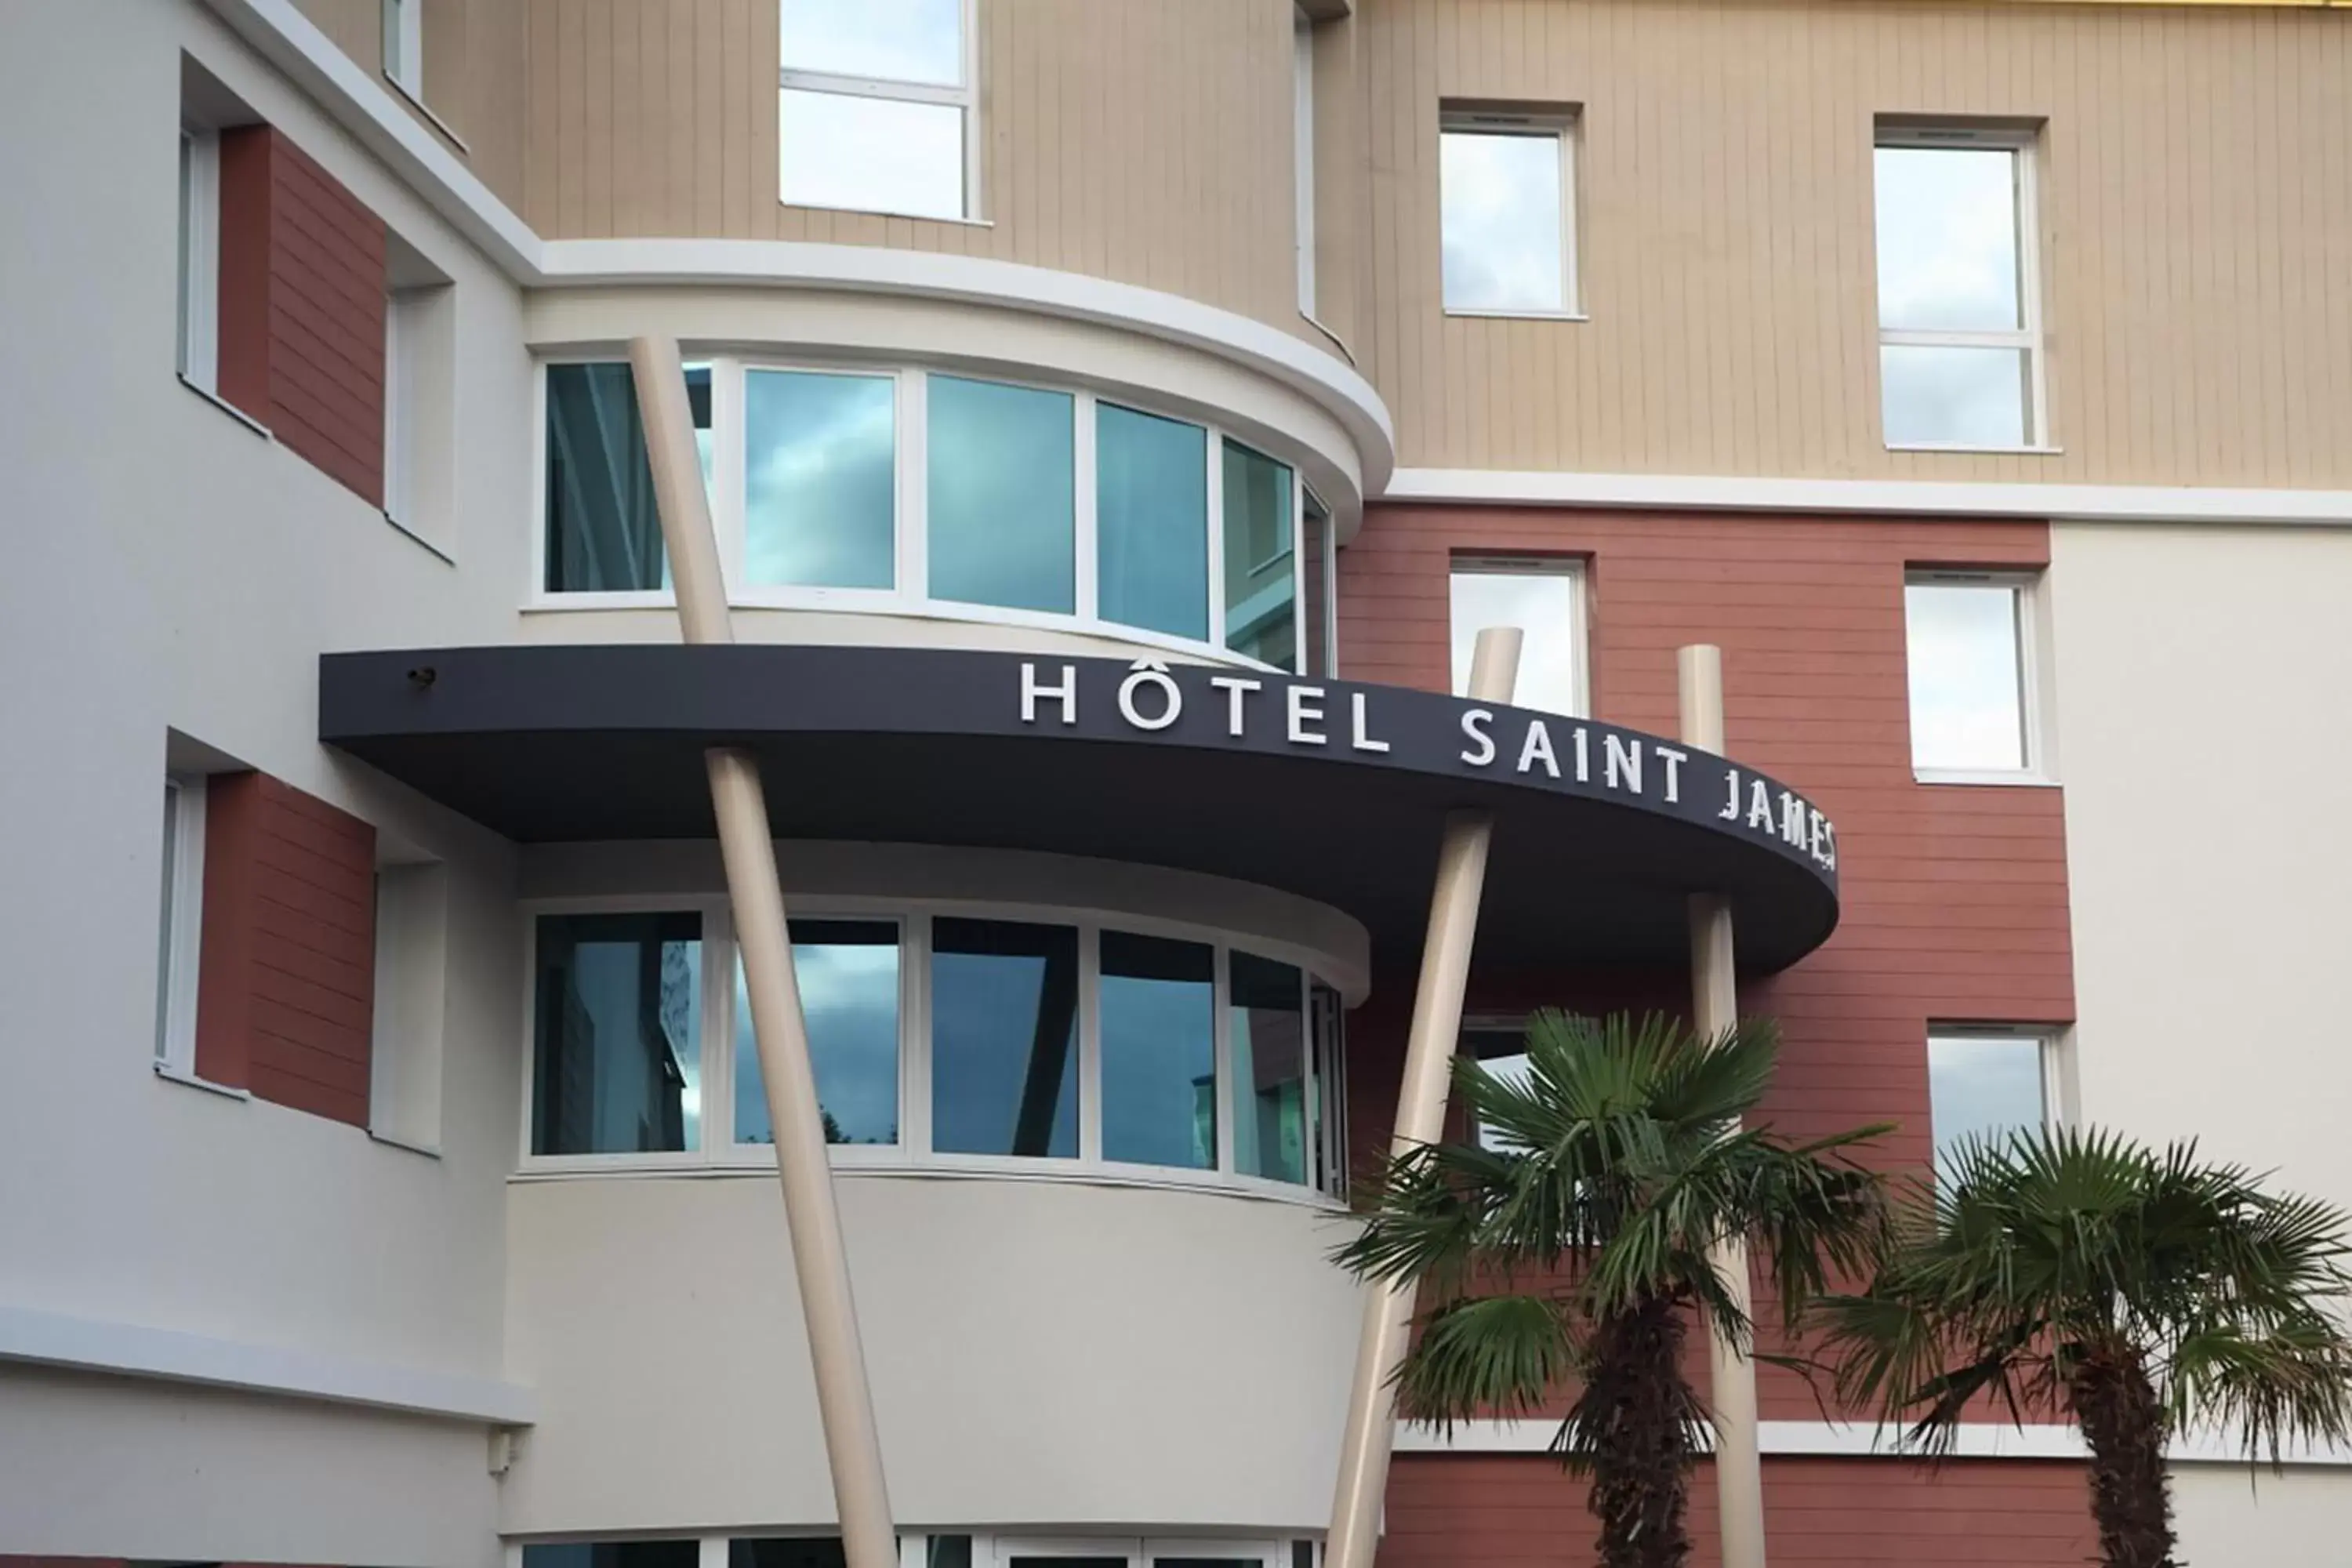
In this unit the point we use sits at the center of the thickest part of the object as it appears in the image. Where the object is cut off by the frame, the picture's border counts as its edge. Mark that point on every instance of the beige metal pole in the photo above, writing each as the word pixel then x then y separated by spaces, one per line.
pixel 1365 1440
pixel 1714 1007
pixel 844 1401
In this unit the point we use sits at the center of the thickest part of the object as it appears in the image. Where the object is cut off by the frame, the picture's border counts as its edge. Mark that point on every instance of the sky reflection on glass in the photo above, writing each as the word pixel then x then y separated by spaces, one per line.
pixel 1967 695
pixel 1151 511
pixel 1159 1051
pixel 869 154
pixel 1543 606
pixel 1499 200
pixel 1982 1087
pixel 848 975
pixel 819 502
pixel 1003 486
pixel 1948 238
pixel 890 40
pixel 1004 1071
pixel 1952 396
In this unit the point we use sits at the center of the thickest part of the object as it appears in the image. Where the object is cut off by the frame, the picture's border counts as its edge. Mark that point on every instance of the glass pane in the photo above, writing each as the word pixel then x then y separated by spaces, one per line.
pixel 1260 583
pixel 603 531
pixel 891 40
pixel 1058 1561
pixel 1511 1069
pixel 1270 1134
pixel 1499 217
pixel 1316 549
pixel 848 973
pixel 1954 398
pixel 1151 511
pixel 1968 707
pixel 1540 604
pixel 614 1554
pixel 820 501
pixel 1159 1051
pixel 1327 1014
pixel 1003 523
pixel 947 1552
pixel 1004 1010
pixel 163 922
pixel 1948 238
pixel 1983 1085
pixel 619 1011
pixel 869 154
pixel 1159 1562
pixel 802 1551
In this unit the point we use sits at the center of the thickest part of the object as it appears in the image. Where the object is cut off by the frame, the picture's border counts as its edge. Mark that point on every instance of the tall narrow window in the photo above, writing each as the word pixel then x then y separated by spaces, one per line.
pixel 411 963
pixel 1544 598
pixel 1151 521
pixel 1302 110
pixel 1159 1008
pixel 404 342
pixel 404 45
pixel 1004 1041
pixel 848 975
pixel 820 499
pixel 1960 313
pixel 199 297
pixel 1261 558
pixel 1318 556
pixel 1505 201
pixel 618 1036
pixel 179 924
pixel 604 532
pixel 1965 646
pixel 1986 1084
pixel 1272 1113
pixel 875 107
pixel 1002 495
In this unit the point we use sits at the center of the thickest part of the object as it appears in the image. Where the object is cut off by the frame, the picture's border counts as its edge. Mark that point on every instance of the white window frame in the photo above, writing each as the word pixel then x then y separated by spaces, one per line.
pixel 1302 74
pixel 964 96
pixel 1562 128
pixel 197 349
pixel 718 1151
pixel 404 45
pixel 2025 144
pixel 181 941
pixel 2040 769
pixel 2049 1039
pixel 1571 567
pixel 403 334
pixel 909 594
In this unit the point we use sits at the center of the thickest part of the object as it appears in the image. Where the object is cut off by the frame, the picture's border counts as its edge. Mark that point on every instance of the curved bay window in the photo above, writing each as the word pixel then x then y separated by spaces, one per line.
pixel 917 491
pixel 1023 1043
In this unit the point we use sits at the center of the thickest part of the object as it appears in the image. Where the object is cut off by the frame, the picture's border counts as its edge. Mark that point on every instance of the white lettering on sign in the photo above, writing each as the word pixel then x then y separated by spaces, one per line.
pixel 1624 760
pixel 1170 701
pixel 1480 752
pixel 1792 820
pixel 1031 692
pixel 1672 761
pixel 1303 712
pixel 1362 740
pixel 1236 688
pixel 1537 748
pixel 1583 756
pixel 1759 805
pixel 1730 811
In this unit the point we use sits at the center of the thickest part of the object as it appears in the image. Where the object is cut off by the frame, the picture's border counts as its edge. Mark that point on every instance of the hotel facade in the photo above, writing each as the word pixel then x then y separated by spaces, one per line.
pixel 1117 420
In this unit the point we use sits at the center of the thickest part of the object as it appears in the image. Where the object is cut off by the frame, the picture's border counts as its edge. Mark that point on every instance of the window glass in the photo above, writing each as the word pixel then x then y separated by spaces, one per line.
pixel 820 493
pixel 1261 608
pixel 1511 1069
pixel 613 1555
pixel 1983 1085
pixel 891 40
pixel 1318 554
pixel 164 923
pixel 603 531
pixel 1152 520
pixel 1268 1023
pixel 848 974
pixel 1968 702
pixel 1499 214
pixel 1004 1004
pixel 870 155
pixel 797 1552
pixel 618 1034
pixel 947 1552
pixel 1947 254
pixel 1542 604
pixel 1934 395
pixel 1003 522
pixel 1159 1051
pixel 1328 1016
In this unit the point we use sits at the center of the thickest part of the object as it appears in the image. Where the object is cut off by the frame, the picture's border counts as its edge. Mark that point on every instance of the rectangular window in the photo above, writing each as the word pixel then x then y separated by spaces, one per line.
pixel 179 931
pixel 684 1553
pixel 1158 1004
pixel 1544 598
pixel 874 112
pixel 1151 523
pixel 1002 495
pixel 1004 1039
pixel 198 348
pixel 618 1034
pixel 404 342
pixel 1302 110
pixel 1500 1046
pixel 820 479
pixel 404 45
pixel 1966 648
pixel 1318 553
pixel 412 947
pixel 1271 1108
pixel 787 1552
pixel 1506 199
pixel 1261 555
pixel 1986 1084
pixel 602 529
pixel 1328 1023
pixel 1959 314
pixel 848 977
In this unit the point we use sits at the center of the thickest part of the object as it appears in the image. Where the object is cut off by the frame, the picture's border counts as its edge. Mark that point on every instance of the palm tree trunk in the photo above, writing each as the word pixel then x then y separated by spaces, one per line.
pixel 2131 1496
pixel 1640 1473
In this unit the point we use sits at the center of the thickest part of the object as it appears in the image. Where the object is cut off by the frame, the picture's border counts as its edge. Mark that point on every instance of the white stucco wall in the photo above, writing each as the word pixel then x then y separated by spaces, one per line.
pixel 2204 683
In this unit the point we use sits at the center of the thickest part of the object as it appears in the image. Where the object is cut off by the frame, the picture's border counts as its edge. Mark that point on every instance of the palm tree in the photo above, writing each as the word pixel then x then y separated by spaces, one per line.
pixel 1577 1248
pixel 2140 1293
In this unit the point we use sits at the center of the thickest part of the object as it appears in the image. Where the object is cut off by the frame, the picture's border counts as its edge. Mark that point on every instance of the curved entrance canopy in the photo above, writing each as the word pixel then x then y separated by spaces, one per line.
pixel 1333 790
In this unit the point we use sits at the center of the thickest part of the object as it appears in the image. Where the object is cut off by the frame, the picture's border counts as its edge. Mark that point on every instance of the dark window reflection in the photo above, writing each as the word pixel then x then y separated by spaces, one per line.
pixel 1159 1051
pixel 604 532
pixel 800 1551
pixel 617 1029
pixel 848 974
pixel 947 1552
pixel 1260 579
pixel 1269 1025
pixel 1004 1002
pixel 614 1554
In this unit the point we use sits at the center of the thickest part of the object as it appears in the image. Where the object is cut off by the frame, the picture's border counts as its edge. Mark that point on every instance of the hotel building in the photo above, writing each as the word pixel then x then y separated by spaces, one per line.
pixel 1117 419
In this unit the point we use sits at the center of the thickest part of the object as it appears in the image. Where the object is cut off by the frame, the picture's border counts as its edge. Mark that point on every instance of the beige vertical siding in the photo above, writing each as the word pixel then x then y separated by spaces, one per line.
pixel 1146 141
pixel 473 75
pixel 2196 219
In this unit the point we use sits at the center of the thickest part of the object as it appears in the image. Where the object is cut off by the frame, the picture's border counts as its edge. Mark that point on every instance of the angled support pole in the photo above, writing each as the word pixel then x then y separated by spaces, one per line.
pixel 1371 1431
pixel 853 1443
pixel 1714 1007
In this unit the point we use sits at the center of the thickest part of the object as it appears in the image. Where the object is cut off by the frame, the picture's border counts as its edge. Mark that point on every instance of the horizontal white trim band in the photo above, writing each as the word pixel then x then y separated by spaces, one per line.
pixel 1834 1439
pixel 133 1350
pixel 1934 498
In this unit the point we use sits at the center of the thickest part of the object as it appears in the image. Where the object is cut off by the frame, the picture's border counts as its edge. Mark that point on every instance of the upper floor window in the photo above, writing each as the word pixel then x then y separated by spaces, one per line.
pixel 910 490
pixel 404 45
pixel 199 255
pixel 1987 1083
pixel 1968 651
pixel 874 106
pixel 1506 202
pixel 1960 312
pixel 1544 598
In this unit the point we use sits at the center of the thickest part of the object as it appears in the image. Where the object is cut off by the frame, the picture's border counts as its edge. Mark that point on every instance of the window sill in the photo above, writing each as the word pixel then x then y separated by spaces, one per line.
pixel 1982 776
pixel 1963 447
pixel 182 1075
pixel 1468 315
pixel 888 213
pixel 759 1161
pixel 393 1141
pixel 231 409
pixel 399 89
